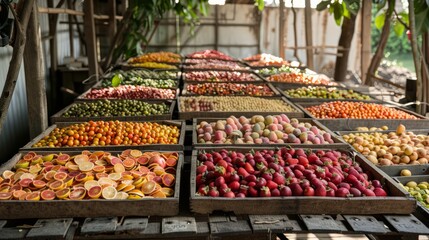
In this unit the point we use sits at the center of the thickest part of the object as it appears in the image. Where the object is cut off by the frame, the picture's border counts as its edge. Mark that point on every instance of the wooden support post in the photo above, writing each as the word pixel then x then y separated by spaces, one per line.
pixel 425 69
pixel 365 39
pixel 90 38
pixel 112 20
pixel 216 27
pixel 21 22
pixel 282 29
pixel 71 39
pixel 35 77
pixel 416 54
pixel 309 34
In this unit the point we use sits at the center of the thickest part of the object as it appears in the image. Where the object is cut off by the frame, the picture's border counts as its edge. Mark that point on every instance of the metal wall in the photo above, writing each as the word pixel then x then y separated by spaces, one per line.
pixel 14 132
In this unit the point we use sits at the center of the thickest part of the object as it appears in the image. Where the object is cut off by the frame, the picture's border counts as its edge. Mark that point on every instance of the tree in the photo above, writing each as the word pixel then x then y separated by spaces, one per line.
pixel 345 16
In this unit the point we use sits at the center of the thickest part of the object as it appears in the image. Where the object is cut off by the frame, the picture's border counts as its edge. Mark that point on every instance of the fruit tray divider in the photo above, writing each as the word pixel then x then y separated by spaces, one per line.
pixel 82 96
pixel 338 142
pixel 398 203
pixel 417 178
pixel 349 124
pixel 58 117
pixel 258 79
pixel 272 88
pixel 283 87
pixel 15 209
pixel 190 115
pixel 155 147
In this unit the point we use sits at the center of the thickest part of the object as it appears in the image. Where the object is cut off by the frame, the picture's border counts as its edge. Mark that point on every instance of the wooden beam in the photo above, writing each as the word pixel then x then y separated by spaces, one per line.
pixel 35 77
pixel 21 21
pixel 51 10
pixel 365 38
pixel 112 20
pixel 386 81
pixel 216 28
pixel 282 29
pixel 309 34
pixel 90 39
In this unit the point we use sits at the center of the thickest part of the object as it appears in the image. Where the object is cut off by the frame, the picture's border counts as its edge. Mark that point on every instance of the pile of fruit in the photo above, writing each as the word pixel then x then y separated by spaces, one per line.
pixel 300 78
pixel 106 133
pixel 91 175
pixel 359 110
pixel 284 172
pixel 232 104
pixel 131 92
pixel 154 65
pixel 420 191
pixel 274 70
pixel 143 74
pixel 161 57
pixel 214 64
pixel 259 129
pixel 119 108
pixel 219 76
pixel 147 82
pixel 264 59
pixel 227 89
pixel 210 54
pixel 396 147
pixel 326 93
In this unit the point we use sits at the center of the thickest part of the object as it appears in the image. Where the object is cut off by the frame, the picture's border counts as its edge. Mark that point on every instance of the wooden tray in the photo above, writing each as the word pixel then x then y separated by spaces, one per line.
pixel 258 79
pixel 178 72
pixel 398 203
pixel 156 147
pixel 58 117
pixel 348 124
pixel 15 209
pixel 418 178
pixel 275 91
pixel 191 115
pixel 338 143
pixel 284 87
pixel 82 96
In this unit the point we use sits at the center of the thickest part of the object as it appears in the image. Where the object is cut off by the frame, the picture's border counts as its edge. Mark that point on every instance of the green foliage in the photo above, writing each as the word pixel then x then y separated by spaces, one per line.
pixel 340 9
pixel 421 10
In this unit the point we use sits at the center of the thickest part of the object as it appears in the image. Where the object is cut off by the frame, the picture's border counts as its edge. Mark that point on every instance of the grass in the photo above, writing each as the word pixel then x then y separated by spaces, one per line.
pixel 404 60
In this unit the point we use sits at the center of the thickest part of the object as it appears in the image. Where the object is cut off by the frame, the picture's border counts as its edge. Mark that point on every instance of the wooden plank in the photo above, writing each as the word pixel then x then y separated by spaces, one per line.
pixel 13 233
pixel 407 224
pixel 320 223
pixel 308 34
pixel 50 228
pixel 35 77
pixel 99 225
pixel 133 225
pixel 270 223
pixel 72 231
pixel 365 224
pixel 90 38
pixel 152 229
pixel 175 225
pixel 203 228
pixel 230 228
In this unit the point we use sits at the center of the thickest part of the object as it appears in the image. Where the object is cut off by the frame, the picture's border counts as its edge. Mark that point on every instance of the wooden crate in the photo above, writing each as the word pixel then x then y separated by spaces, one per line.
pixel 15 209
pixel 284 87
pixel 156 147
pixel 398 203
pixel 272 88
pixel 191 115
pixel 338 143
pixel 58 117
pixel 258 79
pixel 349 124
pixel 418 178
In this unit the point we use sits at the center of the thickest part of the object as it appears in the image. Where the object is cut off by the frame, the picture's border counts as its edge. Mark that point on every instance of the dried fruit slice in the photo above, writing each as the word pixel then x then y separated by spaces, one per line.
pixel 78 159
pixel 56 185
pixel 25 182
pixel 167 191
pixel 62 159
pixel 121 195
pixel 77 194
pixel 134 197
pixel 129 163
pixel 68 181
pixel 63 193
pixel 94 192
pixel 17 176
pixel 109 192
pixel 74 173
pixel 99 168
pixel 121 186
pixel 22 164
pixel 29 156
pixel 86 152
pixel 16 187
pixel 36 160
pixel 143 160
pixel 127 175
pixel 129 188
pixel 119 168
pixel 33 196
pixel 115 176
pixel 115 160
pixel 126 153
pixel 101 175
pixel 71 166
pixel 47 194
pixel 136 192
pixel 91 183
pixel 136 174
pixel 158 170
pixel 27 175
pixel 105 182
pixel 5 195
pixel 158 194
pixel 18 193
pixel 38 183
pixel 171 170
pixel 171 162
pixel 86 166
pixel 49 175
pixel 60 176
pixel 100 162
pixel 7 174
pixel 82 177
pixel 168 179
pixel 48 158
pixel 135 153
pixel 144 169
pixel 148 187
